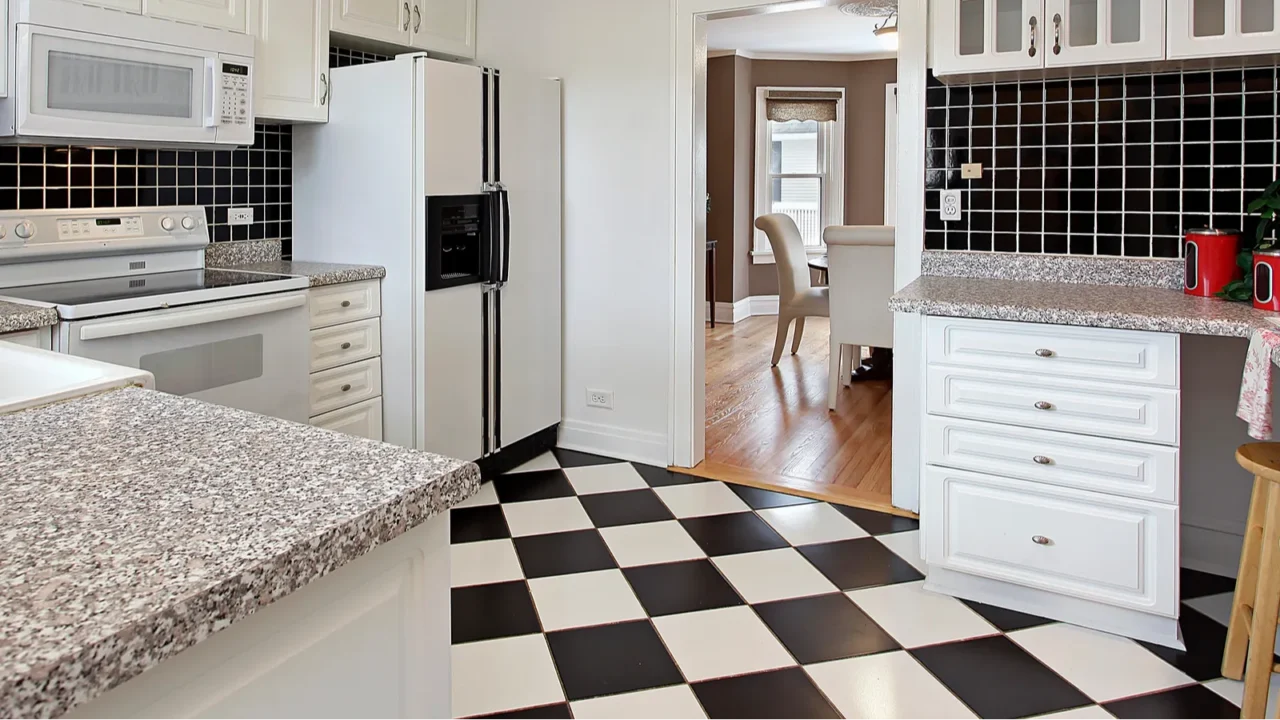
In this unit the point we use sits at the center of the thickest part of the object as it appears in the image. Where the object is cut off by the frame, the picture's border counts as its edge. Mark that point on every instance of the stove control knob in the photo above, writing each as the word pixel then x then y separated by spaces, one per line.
pixel 24 229
pixel 188 223
pixel 1 232
pixel 167 224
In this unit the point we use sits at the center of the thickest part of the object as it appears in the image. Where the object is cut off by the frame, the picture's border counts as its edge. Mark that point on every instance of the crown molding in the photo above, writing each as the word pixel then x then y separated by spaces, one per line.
pixel 812 57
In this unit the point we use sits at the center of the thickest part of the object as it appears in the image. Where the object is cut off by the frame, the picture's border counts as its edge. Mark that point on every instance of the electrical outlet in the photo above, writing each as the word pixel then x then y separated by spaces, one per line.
pixel 950 210
pixel 600 399
pixel 240 216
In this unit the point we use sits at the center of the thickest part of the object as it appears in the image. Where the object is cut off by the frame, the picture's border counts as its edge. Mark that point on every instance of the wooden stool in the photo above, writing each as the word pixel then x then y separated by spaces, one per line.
pixel 1256 604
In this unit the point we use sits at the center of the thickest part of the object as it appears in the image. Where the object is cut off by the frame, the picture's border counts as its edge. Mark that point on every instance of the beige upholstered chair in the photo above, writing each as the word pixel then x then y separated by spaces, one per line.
pixel 797 298
pixel 860 275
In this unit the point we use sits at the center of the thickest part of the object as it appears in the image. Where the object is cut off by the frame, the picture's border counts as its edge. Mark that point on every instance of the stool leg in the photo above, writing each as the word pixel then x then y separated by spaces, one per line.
pixel 1237 644
pixel 1257 671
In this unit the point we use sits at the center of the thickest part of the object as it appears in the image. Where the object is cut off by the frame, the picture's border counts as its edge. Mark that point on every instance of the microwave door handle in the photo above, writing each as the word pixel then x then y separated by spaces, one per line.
pixel 211 92
pixel 189 318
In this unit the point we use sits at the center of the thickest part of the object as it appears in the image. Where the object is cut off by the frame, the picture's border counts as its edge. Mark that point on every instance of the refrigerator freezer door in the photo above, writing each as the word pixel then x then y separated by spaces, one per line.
pixel 454 114
pixel 454 326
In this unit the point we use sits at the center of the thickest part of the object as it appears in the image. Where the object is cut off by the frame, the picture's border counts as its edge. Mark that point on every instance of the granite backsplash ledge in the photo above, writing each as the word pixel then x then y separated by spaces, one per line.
pixel 1092 270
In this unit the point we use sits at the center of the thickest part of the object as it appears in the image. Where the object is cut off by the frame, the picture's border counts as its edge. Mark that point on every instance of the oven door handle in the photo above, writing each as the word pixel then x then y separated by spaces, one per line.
pixel 189 318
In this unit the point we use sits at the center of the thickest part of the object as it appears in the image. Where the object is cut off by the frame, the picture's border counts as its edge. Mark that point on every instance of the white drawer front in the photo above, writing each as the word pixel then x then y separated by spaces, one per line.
pixel 346 385
pixel 29 338
pixel 1128 356
pixel 1088 545
pixel 344 344
pixel 1119 467
pixel 1128 412
pixel 362 420
pixel 337 304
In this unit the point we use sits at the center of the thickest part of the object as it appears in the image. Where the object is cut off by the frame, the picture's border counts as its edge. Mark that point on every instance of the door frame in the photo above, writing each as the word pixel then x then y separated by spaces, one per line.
pixel 890 149
pixel 686 434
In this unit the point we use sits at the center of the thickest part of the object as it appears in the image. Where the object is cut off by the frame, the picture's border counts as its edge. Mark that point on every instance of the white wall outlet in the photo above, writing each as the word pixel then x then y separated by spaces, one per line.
pixel 971 171
pixel 600 399
pixel 950 205
pixel 240 216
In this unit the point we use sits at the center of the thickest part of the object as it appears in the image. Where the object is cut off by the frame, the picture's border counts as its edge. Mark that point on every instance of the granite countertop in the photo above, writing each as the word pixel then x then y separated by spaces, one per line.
pixel 319 273
pixel 16 318
pixel 137 523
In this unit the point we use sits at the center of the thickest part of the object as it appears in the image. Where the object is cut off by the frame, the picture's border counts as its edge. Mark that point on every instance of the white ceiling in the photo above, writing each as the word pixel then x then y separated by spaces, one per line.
pixel 817 33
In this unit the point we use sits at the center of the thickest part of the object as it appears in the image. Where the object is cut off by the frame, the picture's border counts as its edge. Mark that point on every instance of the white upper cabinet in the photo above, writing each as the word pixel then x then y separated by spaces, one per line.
pixel 1096 32
pixel 228 14
pixel 291 80
pixel 386 21
pixel 1218 28
pixel 972 36
pixel 445 26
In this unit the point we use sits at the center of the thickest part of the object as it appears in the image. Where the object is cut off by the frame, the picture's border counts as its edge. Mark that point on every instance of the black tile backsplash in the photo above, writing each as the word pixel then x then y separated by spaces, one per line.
pixel 342 57
pixel 1107 166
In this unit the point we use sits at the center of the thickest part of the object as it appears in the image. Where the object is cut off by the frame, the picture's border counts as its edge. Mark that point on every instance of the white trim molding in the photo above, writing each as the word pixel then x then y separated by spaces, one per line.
pixel 816 57
pixel 764 305
pixel 765 257
pixel 613 441
pixel 731 312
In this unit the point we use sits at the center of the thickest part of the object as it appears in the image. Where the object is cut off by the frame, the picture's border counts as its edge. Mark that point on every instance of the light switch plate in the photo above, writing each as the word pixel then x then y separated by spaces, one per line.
pixel 950 209
pixel 971 171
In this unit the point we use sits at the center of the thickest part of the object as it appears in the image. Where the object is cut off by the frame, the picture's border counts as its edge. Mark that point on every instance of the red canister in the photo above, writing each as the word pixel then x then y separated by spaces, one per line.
pixel 1211 261
pixel 1266 289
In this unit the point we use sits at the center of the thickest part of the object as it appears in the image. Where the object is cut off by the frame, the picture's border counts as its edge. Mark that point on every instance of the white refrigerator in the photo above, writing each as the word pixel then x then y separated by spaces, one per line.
pixel 448 175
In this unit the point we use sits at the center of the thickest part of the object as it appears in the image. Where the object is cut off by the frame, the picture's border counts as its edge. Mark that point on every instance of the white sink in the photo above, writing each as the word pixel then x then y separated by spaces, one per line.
pixel 30 377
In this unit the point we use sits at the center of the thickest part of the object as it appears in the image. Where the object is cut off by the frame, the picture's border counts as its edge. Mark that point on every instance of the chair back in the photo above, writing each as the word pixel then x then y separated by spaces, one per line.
pixel 788 253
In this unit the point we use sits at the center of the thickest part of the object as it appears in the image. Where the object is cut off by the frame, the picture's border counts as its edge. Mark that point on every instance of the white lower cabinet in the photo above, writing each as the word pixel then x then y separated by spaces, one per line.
pixel 346 363
pixel 39 338
pixel 363 419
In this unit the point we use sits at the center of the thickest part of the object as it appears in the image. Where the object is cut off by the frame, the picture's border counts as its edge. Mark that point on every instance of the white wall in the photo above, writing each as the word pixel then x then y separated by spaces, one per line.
pixel 616 62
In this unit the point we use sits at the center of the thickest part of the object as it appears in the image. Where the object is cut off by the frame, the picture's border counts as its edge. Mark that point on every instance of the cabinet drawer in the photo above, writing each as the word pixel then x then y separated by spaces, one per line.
pixel 346 385
pixel 344 344
pixel 337 304
pixel 1096 547
pixel 1118 467
pixel 362 420
pixel 29 338
pixel 1127 356
pixel 1127 412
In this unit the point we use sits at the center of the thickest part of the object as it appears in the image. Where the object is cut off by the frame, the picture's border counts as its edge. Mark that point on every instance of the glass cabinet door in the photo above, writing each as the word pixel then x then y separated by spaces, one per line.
pixel 1088 32
pixel 1216 28
pixel 986 35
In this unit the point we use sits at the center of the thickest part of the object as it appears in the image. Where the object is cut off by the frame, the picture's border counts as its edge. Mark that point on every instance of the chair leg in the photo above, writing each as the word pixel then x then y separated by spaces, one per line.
pixel 851 357
pixel 1257 671
pixel 784 321
pixel 1237 644
pixel 795 337
pixel 833 374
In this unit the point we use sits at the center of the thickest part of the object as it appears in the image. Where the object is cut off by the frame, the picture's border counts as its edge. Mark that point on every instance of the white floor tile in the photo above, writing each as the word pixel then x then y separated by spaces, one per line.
pixel 677 701
pixel 650 543
pixel 1104 666
pixel 486 495
pixel 545 461
pixel 717 643
pixel 539 517
pixel 1088 712
pixel 773 575
pixel 886 685
pixel 695 499
pixel 582 599
pixel 524 665
pixel 916 617
pixel 479 563
pixel 1217 607
pixel 905 545
pixel 591 479
pixel 1233 690
pixel 811 523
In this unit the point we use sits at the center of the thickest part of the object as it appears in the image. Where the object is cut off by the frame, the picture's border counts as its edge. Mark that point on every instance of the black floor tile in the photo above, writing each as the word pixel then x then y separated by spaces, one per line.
pixel 536 485
pixel 625 508
pixel 1006 620
pixel 573 458
pixel 761 499
pixel 877 523
pixel 610 659
pixel 1205 639
pixel 853 564
pixel 681 587
pixel 1194 584
pixel 1192 701
pixel 471 524
pixel 998 679
pixel 824 627
pixel 784 693
pixel 662 477
pixel 559 710
pixel 732 533
pixel 563 553
pixel 484 612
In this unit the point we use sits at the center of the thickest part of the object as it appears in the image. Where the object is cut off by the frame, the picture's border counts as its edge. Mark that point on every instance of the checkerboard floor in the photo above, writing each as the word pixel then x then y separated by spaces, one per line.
pixel 589 587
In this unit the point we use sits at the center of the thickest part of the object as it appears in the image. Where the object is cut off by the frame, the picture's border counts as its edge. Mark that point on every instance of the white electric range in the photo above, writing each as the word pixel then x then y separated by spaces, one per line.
pixel 131 288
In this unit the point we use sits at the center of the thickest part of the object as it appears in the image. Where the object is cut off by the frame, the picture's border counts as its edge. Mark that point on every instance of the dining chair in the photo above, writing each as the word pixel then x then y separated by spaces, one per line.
pixel 860 276
pixel 797 298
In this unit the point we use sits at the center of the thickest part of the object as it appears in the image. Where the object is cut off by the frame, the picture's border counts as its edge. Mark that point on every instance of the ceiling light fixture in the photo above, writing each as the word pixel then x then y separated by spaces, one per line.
pixel 888 34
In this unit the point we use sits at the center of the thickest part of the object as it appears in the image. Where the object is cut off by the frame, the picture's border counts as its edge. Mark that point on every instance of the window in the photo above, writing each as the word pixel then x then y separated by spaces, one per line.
pixel 800 162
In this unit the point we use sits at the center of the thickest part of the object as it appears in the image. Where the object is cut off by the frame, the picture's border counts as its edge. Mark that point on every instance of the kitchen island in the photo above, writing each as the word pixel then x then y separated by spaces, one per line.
pixel 165 556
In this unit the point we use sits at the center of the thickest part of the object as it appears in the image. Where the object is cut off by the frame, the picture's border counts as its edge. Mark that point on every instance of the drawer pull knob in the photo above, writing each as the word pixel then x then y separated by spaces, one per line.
pixel 1044 352
pixel 1041 540
pixel 346 303
pixel 1042 460
pixel 1042 405
pixel 346 388
pixel 346 346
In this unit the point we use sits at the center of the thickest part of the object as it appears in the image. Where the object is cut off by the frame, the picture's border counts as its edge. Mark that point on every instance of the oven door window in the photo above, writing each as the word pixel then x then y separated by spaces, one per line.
pixel 196 368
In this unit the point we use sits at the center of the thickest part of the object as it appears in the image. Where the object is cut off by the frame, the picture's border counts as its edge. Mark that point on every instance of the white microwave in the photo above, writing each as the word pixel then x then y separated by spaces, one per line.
pixel 87 75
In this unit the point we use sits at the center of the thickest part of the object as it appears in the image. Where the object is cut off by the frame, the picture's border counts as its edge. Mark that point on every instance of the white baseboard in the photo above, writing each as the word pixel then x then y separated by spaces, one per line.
pixel 764 304
pixel 1211 551
pixel 731 313
pixel 612 441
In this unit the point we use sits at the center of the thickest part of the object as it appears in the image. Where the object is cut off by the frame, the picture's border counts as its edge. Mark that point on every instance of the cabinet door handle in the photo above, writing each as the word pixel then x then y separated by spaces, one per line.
pixel 1057 33
pixel 1041 540
pixel 1031 50
pixel 406 17
pixel 1044 352
pixel 324 92
pixel 346 303
pixel 1042 405
pixel 346 346
pixel 1042 460
pixel 346 388
pixel 417 18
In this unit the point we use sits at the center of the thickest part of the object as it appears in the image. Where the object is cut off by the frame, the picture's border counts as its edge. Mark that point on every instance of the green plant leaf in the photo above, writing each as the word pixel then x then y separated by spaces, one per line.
pixel 1256 205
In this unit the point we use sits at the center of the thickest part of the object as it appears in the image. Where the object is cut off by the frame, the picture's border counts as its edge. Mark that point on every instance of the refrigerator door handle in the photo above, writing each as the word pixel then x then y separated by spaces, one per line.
pixel 506 235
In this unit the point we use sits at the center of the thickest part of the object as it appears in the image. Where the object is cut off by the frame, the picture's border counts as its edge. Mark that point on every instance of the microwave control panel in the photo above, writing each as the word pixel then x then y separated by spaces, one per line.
pixel 235 94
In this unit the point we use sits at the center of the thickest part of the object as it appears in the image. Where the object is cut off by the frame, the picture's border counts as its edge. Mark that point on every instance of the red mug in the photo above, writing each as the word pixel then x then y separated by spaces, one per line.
pixel 1210 261
pixel 1266 288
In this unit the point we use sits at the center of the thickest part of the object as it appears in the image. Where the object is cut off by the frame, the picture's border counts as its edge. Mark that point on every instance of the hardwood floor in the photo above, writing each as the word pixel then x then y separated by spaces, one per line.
pixel 770 426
